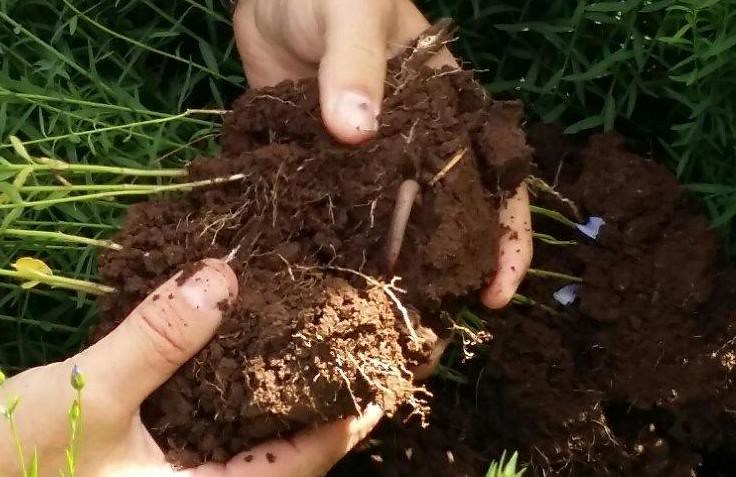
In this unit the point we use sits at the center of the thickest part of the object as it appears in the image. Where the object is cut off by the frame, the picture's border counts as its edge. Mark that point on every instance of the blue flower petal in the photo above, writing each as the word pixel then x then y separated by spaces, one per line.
pixel 566 295
pixel 592 227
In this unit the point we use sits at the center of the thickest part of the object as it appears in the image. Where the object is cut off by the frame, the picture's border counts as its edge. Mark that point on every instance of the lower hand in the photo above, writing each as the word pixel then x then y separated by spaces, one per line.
pixel 122 369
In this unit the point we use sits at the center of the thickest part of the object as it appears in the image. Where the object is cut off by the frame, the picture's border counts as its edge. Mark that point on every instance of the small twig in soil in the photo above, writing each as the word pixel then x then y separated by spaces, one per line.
pixel 230 256
pixel 407 64
pixel 429 43
pixel 538 184
pixel 274 195
pixel 470 339
pixel 272 98
pixel 448 167
pixel 407 194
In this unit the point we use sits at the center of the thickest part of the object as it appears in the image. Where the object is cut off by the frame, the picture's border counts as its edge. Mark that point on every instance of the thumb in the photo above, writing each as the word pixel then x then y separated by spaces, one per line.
pixel 169 327
pixel 353 68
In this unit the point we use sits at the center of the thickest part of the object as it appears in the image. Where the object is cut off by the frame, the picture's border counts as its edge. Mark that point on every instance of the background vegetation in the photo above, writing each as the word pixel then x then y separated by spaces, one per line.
pixel 95 82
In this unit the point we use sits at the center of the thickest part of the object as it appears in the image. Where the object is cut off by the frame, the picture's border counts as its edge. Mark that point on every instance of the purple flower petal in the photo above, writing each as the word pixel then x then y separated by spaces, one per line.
pixel 592 227
pixel 566 295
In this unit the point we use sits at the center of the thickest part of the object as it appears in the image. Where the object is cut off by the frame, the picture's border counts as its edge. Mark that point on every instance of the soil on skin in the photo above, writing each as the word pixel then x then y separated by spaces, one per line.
pixel 313 335
pixel 634 379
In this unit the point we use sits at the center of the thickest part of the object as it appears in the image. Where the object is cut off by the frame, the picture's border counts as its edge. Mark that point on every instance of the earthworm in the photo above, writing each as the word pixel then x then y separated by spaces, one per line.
pixel 407 194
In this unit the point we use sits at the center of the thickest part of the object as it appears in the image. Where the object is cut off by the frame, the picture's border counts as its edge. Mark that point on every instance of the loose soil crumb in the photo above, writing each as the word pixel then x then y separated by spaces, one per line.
pixel 319 329
pixel 633 380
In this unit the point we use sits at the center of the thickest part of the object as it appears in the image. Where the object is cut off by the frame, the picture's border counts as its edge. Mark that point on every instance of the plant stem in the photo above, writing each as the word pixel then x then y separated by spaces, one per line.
pixel 533 272
pixel 61 166
pixel 522 300
pixel 552 214
pixel 86 187
pixel 62 237
pixel 18 445
pixel 59 282
pixel 550 240
pixel 61 223
pixel 76 424
pixel 118 193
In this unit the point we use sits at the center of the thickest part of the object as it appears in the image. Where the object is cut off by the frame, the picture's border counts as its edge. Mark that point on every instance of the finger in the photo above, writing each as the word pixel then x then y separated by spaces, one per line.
pixel 308 454
pixel 353 68
pixel 425 370
pixel 515 250
pixel 411 24
pixel 169 327
pixel 261 35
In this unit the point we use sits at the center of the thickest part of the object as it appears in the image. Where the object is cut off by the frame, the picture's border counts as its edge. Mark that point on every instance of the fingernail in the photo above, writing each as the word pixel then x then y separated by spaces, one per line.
pixel 356 110
pixel 210 286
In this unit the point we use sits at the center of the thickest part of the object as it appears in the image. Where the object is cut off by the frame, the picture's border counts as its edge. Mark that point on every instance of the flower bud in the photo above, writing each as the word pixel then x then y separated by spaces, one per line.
pixel 77 380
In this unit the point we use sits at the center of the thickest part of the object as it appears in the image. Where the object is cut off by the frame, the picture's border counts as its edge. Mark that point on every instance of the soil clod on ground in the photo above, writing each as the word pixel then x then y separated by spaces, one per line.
pixel 634 379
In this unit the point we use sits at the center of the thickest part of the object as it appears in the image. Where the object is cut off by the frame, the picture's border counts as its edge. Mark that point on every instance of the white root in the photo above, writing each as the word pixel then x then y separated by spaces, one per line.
pixel 408 191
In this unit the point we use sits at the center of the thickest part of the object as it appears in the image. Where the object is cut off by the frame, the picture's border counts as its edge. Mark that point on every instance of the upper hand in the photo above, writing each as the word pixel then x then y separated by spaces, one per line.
pixel 346 43
pixel 122 369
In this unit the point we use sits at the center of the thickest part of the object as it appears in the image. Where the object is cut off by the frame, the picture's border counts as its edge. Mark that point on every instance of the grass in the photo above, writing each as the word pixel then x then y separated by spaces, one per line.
pixel 114 84
pixel 506 468
pixel 661 71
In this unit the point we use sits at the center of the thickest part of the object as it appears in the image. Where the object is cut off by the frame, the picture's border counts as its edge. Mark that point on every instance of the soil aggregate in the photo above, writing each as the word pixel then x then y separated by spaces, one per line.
pixel 320 328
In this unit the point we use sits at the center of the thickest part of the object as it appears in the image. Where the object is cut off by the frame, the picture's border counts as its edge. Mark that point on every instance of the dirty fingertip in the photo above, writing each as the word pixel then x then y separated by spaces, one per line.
pixel 209 285
pixel 351 116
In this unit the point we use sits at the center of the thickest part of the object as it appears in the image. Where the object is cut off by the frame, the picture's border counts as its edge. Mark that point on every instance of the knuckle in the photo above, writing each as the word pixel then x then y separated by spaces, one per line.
pixel 162 336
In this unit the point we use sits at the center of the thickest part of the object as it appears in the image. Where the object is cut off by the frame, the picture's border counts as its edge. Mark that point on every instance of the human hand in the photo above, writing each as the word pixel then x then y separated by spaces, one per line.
pixel 346 43
pixel 123 368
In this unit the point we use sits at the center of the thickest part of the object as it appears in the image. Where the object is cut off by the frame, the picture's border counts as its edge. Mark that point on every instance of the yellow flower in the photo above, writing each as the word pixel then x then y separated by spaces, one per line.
pixel 32 268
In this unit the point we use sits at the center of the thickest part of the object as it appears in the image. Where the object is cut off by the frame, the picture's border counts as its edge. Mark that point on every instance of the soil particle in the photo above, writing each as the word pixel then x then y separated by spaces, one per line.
pixel 319 330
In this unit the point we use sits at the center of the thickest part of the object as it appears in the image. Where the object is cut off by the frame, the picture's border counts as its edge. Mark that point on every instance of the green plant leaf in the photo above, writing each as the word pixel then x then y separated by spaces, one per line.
pixel 602 68
pixel 10 217
pixel 20 149
pixel 590 122
pixel 209 57
pixel 33 465
pixel 10 193
pixel 609 112
pixel 623 7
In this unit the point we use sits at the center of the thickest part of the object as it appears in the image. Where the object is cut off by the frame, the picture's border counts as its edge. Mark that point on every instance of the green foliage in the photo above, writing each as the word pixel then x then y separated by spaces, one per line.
pixel 96 83
pixel 659 70
pixel 502 468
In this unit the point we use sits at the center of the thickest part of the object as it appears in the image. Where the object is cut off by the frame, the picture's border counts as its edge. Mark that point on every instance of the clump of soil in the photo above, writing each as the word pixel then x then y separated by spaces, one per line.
pixel 320 329
pixel 634 379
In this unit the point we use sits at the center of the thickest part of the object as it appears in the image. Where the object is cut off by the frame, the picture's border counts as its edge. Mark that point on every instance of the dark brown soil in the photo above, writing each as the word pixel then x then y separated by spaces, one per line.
pixel 635 379
pixel 316 334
